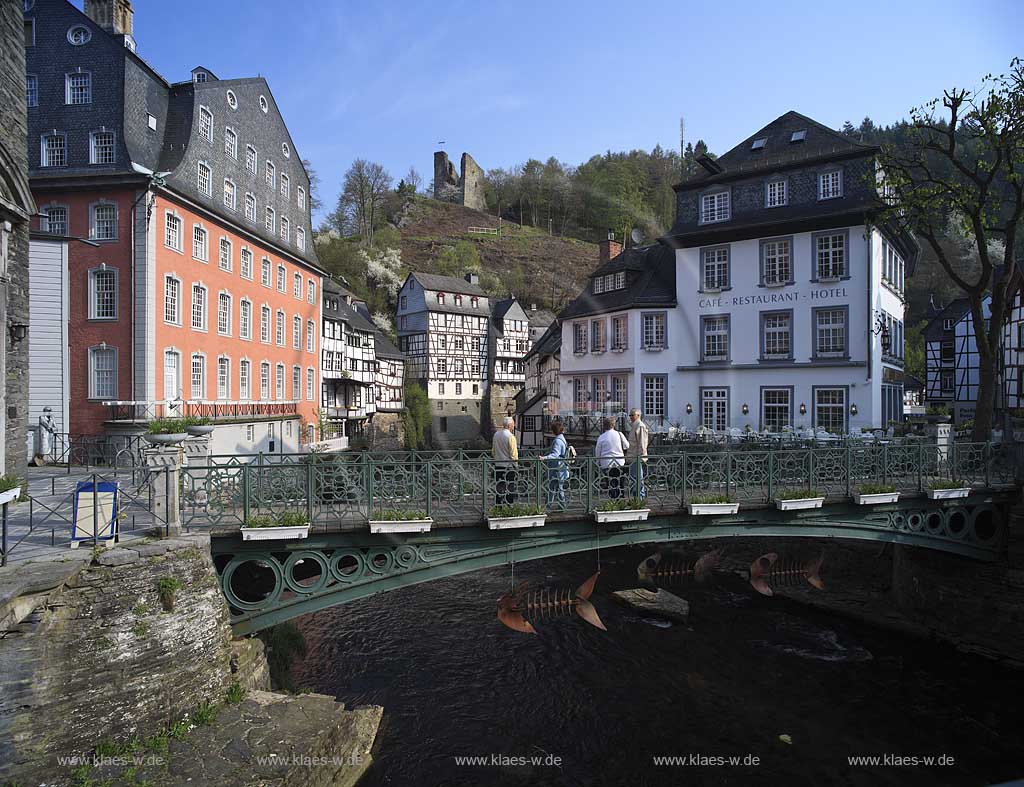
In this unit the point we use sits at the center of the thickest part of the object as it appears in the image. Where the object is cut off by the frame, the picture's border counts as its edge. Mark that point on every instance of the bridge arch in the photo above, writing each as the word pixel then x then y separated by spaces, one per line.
pixel 270 584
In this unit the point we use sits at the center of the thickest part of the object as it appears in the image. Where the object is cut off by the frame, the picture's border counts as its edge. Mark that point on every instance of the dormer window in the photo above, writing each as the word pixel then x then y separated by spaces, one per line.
pixel 759 143
pixel 714 207
pixel 775 194
pixel 440 298
pixel 458 299
pixel 199 76
pixel 475 302
pixel 798 136
pixel 830 184
pixel 598 286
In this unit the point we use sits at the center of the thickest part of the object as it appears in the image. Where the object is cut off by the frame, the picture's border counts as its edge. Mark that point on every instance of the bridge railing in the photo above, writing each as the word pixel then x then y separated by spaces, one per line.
pixel 344 491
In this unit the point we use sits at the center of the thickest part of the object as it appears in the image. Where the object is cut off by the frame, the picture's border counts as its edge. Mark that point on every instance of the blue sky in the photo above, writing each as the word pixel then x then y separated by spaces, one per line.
pixel 507 81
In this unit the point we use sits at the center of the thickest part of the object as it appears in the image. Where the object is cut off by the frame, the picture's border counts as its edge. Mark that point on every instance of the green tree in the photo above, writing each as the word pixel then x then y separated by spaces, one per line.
pixel 415 416
pixel 913 350
pixel 959 186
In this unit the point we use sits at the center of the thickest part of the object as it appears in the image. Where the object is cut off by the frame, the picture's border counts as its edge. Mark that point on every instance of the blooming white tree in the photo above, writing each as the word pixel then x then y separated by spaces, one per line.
pixel 384 268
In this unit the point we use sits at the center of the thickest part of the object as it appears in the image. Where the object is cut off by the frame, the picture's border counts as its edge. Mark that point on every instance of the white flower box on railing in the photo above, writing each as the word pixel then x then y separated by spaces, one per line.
pixel 401 525
pixel 10 495
pixel 948 494
pixel 625 515
pixel 274 533
pixel 799 504
pixel 710 509
pixel 510 522
pixel 876 498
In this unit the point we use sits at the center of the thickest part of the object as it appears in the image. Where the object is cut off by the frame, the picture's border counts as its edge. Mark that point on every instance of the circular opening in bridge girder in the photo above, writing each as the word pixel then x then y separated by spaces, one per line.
pixel 957 523
pixel 933 522
pixel 347 566
pixel 915 521
pixel 306 571
pixel 253 581
pixel 986 526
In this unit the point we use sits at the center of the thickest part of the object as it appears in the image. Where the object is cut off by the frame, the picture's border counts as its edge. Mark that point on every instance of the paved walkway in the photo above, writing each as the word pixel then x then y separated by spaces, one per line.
pixel 41 528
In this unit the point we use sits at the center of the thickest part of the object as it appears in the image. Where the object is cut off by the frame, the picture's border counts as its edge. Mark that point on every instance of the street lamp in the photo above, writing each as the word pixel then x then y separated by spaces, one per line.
pixel 18 332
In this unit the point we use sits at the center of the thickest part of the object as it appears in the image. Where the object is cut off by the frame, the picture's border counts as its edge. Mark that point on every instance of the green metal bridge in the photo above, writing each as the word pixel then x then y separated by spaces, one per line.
pixel 269 582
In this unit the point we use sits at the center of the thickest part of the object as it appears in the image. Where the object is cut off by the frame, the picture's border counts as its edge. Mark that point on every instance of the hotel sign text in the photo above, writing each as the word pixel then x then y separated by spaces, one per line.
pixel 774 298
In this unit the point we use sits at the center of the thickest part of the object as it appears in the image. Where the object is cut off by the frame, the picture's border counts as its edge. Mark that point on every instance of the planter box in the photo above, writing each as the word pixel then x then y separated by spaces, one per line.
pixel 948 494
pixel 198 431
pixel 400 525
pixel 10 495
pixel 875 499
pixel 274 533
pixel 509 522
pixel 166 439
pixel 710 509
pixel 627 515
pixel 799 505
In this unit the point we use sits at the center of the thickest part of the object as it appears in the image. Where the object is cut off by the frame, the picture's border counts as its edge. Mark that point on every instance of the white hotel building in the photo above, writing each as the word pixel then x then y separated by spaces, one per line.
pixel 773 301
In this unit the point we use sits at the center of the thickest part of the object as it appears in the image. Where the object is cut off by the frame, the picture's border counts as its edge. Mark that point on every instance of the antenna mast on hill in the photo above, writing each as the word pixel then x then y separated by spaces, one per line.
pixel 682 144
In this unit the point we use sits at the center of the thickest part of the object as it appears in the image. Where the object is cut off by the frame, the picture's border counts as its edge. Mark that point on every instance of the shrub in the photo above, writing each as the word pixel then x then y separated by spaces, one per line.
pixel 205 714
pixel 167 426
pixel 875 489
pixel 622 504
pixel 9 482
pixel 515 509
pixel 946 483
pixel 292 519
pixel 167 588
pixel 235 693
pixel 710 497
pixel 398 515
pixel 797 494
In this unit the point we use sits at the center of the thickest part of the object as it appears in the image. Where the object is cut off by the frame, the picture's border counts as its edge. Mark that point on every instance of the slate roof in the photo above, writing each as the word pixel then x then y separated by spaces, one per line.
pixel 953 310
pixel 550 342
pixel 820 142
pixel 541 318
pixel 436 283
pixel 650 283
pixel 352 316
pixel 384 348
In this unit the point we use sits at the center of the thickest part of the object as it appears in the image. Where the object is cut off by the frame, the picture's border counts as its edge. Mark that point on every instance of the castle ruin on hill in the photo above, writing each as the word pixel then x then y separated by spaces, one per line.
pixel 466 188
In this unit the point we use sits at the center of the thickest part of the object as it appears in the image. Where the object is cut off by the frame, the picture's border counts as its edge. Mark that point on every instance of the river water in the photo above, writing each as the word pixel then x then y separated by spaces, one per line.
pixel 748 677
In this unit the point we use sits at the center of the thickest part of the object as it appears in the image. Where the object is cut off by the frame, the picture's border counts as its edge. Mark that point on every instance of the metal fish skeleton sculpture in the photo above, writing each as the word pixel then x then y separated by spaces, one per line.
pixel 676 570
pixel 522 606
pixel 766 573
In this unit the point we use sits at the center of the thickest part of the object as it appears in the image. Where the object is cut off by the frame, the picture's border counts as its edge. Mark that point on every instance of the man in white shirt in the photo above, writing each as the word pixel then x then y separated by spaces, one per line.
pixel 610 452
pixel 506 453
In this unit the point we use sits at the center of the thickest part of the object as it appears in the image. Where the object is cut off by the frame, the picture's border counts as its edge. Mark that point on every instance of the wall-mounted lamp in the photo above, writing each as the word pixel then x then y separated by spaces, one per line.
pixel 803 409
pixel 689 409
pixel 853 409
pixel 18 331
pixel 745 409
pixel 881 328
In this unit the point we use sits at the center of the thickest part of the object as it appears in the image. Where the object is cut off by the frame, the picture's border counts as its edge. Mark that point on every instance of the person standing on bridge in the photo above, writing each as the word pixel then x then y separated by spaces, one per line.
pixel 506 453
pixel 610 452
pixel 558 466
pixel 638 436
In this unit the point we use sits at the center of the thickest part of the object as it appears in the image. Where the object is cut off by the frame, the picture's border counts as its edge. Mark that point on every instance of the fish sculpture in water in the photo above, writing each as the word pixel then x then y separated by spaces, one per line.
pixel 766 572
pixel 522 606
pixel 676 570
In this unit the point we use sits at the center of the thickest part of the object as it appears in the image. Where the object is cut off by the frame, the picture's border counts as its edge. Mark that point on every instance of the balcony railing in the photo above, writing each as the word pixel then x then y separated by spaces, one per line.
pixel 215 409
pixel 342 491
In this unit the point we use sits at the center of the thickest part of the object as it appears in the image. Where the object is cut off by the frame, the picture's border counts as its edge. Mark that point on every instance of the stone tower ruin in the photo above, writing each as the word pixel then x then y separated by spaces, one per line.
pixel 466 188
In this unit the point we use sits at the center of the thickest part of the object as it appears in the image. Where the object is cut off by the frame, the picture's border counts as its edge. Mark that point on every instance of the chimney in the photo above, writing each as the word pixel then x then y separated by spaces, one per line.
pixel 114 16
pixel 533 307
pixel 472 278
pixel 608 248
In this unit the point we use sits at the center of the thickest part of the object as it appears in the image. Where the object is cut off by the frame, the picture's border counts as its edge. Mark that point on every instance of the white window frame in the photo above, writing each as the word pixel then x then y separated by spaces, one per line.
pixel 828 329
pixel 197 391
pixel 245 263
pixel 170 395
pixel 94 222
pixel 244 379
pixel 715 328
pixel 105 351
pixel 776 193
pixel 266 317
pixel 776 325
pixel 204 179
pixel 172 300
pixel 200 243
pixel 832 261
pixel 252 159
pixel 310 383
pixel 171 218
pixel 296 332
pixel 300 196
pixel 230 194
pixel 48 154
pixel 264 381
pixel 270 219
pixel 223 377
pixel 830 184
pixel 82 92
pixel 244 322
pixel 266 272
pixel 224 317
pixel 48 225
pixel 653 325
pixel 835 407
pixel 297 286
pixel 279 382
pixel 310 336
pixel 776 259
pixel 250 207
pixel 270 174
pixel 95 274
pixel 300 238
pixel 296 383
pixel 714 267
pixel 282 278
pixel 94 148
pixel 32 91
pixel 279 320
pixel 231 142
pixel 205 126
pixel 778 406
pixel 311 291
pixel 225 261
pixel 286 186
pixel 715 207
pixel 203 304
pixel 714 408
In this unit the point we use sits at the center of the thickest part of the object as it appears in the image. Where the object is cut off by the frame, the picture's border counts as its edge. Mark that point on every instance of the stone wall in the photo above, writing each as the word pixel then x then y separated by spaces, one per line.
pixel 387 433
pixel 14 292
pixel 466 188
pixel 99 658
pixel 471 184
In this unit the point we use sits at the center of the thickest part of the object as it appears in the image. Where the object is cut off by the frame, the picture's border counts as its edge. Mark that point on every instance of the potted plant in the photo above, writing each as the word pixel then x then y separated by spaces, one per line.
pixel 198 426
pixel 621 510
pixel 937 414
pixel 395 520
pixel 289 524
pixel 708 504
pixel 872 494
pixel 10 489
pixel 946 489
pixel 798 499
pixel 515 515
pixel 166 431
